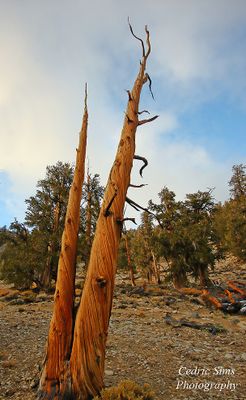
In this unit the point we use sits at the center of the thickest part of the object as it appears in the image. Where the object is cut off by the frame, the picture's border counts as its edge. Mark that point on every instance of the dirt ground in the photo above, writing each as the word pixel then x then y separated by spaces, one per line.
pixel 179 362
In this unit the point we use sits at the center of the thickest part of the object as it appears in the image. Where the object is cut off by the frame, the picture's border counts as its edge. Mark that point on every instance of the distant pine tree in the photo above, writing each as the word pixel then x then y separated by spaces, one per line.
pixel 237 182
pixel 230 218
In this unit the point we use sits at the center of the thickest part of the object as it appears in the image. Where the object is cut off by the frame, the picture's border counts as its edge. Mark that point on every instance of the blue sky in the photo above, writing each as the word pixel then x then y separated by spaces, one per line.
pixel 49 50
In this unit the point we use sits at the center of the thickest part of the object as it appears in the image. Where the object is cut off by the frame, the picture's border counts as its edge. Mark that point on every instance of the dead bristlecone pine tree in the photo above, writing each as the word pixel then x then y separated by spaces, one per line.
pixel 56 366
pixel 92 320
pixel 81 374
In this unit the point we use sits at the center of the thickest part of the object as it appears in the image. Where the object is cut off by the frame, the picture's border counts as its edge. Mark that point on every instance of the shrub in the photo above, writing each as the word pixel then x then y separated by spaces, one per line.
pixel 127 390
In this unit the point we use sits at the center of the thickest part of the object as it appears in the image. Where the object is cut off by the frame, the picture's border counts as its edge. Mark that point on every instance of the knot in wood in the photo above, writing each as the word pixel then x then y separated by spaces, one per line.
pixel 101 281
pixel 145 78
pixel 117 162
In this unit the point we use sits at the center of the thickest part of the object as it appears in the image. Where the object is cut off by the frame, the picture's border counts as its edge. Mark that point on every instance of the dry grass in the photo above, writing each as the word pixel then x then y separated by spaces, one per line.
pixel 127 390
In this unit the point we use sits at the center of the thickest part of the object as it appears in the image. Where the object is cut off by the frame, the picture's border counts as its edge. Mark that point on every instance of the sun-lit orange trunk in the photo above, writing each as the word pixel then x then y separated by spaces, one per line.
pixel 213 300
pixel 155 269
pixel 54 375
pixel 235 285
pixel 92 320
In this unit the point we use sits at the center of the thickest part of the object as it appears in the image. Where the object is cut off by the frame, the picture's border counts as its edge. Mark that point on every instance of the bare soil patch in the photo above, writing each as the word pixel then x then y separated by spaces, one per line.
pixel 141 345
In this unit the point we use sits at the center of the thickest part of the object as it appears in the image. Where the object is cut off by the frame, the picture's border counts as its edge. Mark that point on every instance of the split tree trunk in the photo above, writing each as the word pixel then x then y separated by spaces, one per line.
pixel 54 374
pixel 92 320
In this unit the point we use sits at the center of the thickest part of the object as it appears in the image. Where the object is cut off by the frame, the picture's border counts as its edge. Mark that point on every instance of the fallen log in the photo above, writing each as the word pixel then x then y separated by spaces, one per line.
pixel 211 299
pixel 237 287
pixel 213 329
pixel 191 291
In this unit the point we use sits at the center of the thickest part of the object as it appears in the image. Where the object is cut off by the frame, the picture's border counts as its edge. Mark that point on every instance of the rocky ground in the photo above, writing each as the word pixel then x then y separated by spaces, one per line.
pixel 179 362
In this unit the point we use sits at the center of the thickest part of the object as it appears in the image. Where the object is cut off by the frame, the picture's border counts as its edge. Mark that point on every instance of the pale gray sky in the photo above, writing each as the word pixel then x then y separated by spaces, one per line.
pixel 49 50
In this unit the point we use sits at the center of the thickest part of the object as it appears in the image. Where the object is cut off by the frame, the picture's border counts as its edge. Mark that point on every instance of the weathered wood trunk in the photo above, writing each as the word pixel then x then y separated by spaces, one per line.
pixel 92 320
pixel 179 280
pixel 129 262
pixel 88 219
pixel 156 269
pixel 203 276
pixel 47 273
pixel 54 375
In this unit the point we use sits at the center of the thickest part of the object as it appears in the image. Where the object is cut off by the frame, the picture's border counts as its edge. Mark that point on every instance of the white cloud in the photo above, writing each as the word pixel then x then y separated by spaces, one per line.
pixel 182 167
pixel 51 48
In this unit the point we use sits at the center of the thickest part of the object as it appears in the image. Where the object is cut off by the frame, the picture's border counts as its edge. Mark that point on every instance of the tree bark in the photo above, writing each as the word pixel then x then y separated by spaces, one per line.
pixel 129 263
pixel 203 276
pixel 92 320
pixel 54 375
pixel 88 219
pixel 179 280
pixel 156 269
pixel 47 273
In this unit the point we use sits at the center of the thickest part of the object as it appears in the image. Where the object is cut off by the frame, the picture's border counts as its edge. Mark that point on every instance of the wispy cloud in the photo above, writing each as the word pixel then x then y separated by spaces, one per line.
pixel 51 48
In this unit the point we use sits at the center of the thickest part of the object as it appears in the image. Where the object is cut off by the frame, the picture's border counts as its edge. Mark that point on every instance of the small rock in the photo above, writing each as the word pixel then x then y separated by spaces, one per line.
pixel 195 315
pixel 228 356
pixel 109 372
pixel 243 311
pixel 243 357
pixel 17 302
pixel 34 383
pixel 41 297
pixel 242 325
pixel 235 321
pixel 122 306
pixel 10 392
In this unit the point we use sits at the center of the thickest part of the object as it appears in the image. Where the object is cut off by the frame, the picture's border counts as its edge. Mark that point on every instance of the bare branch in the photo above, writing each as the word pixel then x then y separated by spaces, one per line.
pixel 133 34
pixel 136 205
pixel 107 210
pixel 86 95
pixel 129 95
pixel 121 221
pixel 150 85
pixel 131 204
pixel 144 111
pixel 138 186
pixel 145 121
pixel 138 208
pixel 144 160
pixel 148 42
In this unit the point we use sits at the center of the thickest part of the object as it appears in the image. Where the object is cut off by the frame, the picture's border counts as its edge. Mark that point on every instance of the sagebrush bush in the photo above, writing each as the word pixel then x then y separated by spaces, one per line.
pixel 127 390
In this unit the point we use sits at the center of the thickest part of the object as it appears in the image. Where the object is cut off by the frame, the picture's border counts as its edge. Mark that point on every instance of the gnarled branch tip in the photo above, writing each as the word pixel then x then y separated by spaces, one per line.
pixel 86 95
pixel 136 37
pixel 146 121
